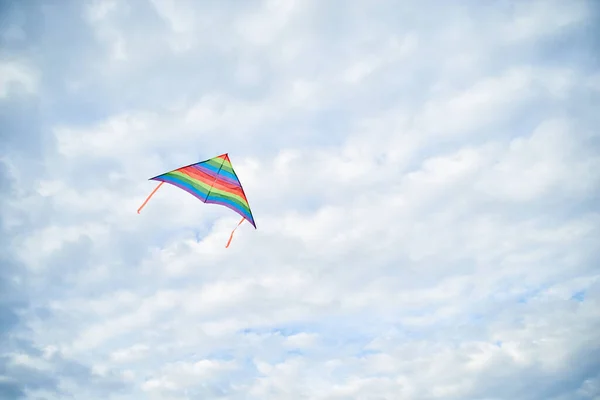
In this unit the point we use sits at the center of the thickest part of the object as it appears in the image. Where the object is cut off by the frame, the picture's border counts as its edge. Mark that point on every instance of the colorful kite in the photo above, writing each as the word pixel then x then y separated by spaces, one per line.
pixel 214 182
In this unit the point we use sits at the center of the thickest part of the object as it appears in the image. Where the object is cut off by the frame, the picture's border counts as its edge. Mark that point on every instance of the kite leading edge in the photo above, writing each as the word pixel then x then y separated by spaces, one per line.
pixel 213 181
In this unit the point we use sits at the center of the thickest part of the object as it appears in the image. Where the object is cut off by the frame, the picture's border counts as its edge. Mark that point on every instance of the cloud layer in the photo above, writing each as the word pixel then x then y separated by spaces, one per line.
pixel 425 179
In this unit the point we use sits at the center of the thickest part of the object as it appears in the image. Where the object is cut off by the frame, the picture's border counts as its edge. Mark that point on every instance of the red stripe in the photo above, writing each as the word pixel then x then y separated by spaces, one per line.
pixel 218 183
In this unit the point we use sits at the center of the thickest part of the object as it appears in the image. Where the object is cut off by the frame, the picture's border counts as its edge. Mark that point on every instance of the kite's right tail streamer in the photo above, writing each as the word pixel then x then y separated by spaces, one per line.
pixel 150 195
pixel 231 236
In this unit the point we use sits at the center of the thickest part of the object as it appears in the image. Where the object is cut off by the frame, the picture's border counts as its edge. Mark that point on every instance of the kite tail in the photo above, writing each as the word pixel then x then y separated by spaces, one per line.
pixel 231 236
pixel 150 195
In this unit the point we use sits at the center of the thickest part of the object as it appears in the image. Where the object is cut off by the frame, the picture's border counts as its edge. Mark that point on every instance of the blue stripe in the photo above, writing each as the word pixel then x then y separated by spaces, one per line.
pixel 212 171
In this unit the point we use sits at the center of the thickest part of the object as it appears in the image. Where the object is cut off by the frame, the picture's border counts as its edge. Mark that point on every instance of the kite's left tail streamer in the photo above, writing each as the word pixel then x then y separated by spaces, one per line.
pixel 231 236
pixel 150 195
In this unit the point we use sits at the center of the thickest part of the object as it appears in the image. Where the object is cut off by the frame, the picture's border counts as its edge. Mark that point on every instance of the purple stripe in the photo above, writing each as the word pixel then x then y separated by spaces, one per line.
pixel 232 207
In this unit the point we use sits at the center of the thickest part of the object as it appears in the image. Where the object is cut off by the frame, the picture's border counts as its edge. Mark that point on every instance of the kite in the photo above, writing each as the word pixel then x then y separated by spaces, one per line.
pixel 213 181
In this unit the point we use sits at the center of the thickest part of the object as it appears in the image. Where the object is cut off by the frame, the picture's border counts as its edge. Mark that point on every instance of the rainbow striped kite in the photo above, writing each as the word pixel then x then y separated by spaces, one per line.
pixel 214 182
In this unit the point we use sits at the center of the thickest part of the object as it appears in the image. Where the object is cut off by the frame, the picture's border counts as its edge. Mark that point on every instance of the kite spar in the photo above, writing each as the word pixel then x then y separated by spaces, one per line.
pixel 213 181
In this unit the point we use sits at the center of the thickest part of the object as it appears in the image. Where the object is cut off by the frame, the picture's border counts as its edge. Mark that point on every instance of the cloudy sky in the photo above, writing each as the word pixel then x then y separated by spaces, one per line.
pixel 425 179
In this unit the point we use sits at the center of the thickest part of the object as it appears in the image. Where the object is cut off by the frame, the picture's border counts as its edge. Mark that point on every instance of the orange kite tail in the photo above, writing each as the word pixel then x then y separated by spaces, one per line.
pixel 231 236
pixel 150 195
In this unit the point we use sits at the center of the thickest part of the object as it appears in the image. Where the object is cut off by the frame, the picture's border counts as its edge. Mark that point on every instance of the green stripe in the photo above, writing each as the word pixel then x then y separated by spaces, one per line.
pixel 198 184
pixel 243 206
pixel 226 165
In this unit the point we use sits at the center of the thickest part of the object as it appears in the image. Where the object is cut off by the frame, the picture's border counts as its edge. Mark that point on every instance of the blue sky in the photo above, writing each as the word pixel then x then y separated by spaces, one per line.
pixel 425 178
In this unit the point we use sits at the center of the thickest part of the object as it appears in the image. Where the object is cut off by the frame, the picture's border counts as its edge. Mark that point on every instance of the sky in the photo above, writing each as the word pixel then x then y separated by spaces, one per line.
pixel 424 175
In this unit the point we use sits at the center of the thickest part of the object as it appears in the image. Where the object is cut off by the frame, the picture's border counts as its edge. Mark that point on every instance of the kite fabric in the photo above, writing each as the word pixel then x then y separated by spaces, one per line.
pixel 213 181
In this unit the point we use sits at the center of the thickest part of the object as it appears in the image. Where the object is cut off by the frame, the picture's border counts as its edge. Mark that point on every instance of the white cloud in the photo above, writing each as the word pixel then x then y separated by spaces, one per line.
pixel 17 75
pixel 541 18
pixel 301 340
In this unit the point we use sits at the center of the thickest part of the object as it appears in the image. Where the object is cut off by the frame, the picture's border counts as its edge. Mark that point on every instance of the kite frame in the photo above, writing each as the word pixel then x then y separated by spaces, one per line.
pixel 224 156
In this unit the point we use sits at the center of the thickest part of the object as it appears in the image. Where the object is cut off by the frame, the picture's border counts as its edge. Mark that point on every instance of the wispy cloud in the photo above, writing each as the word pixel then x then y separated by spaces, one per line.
pixel 425 179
